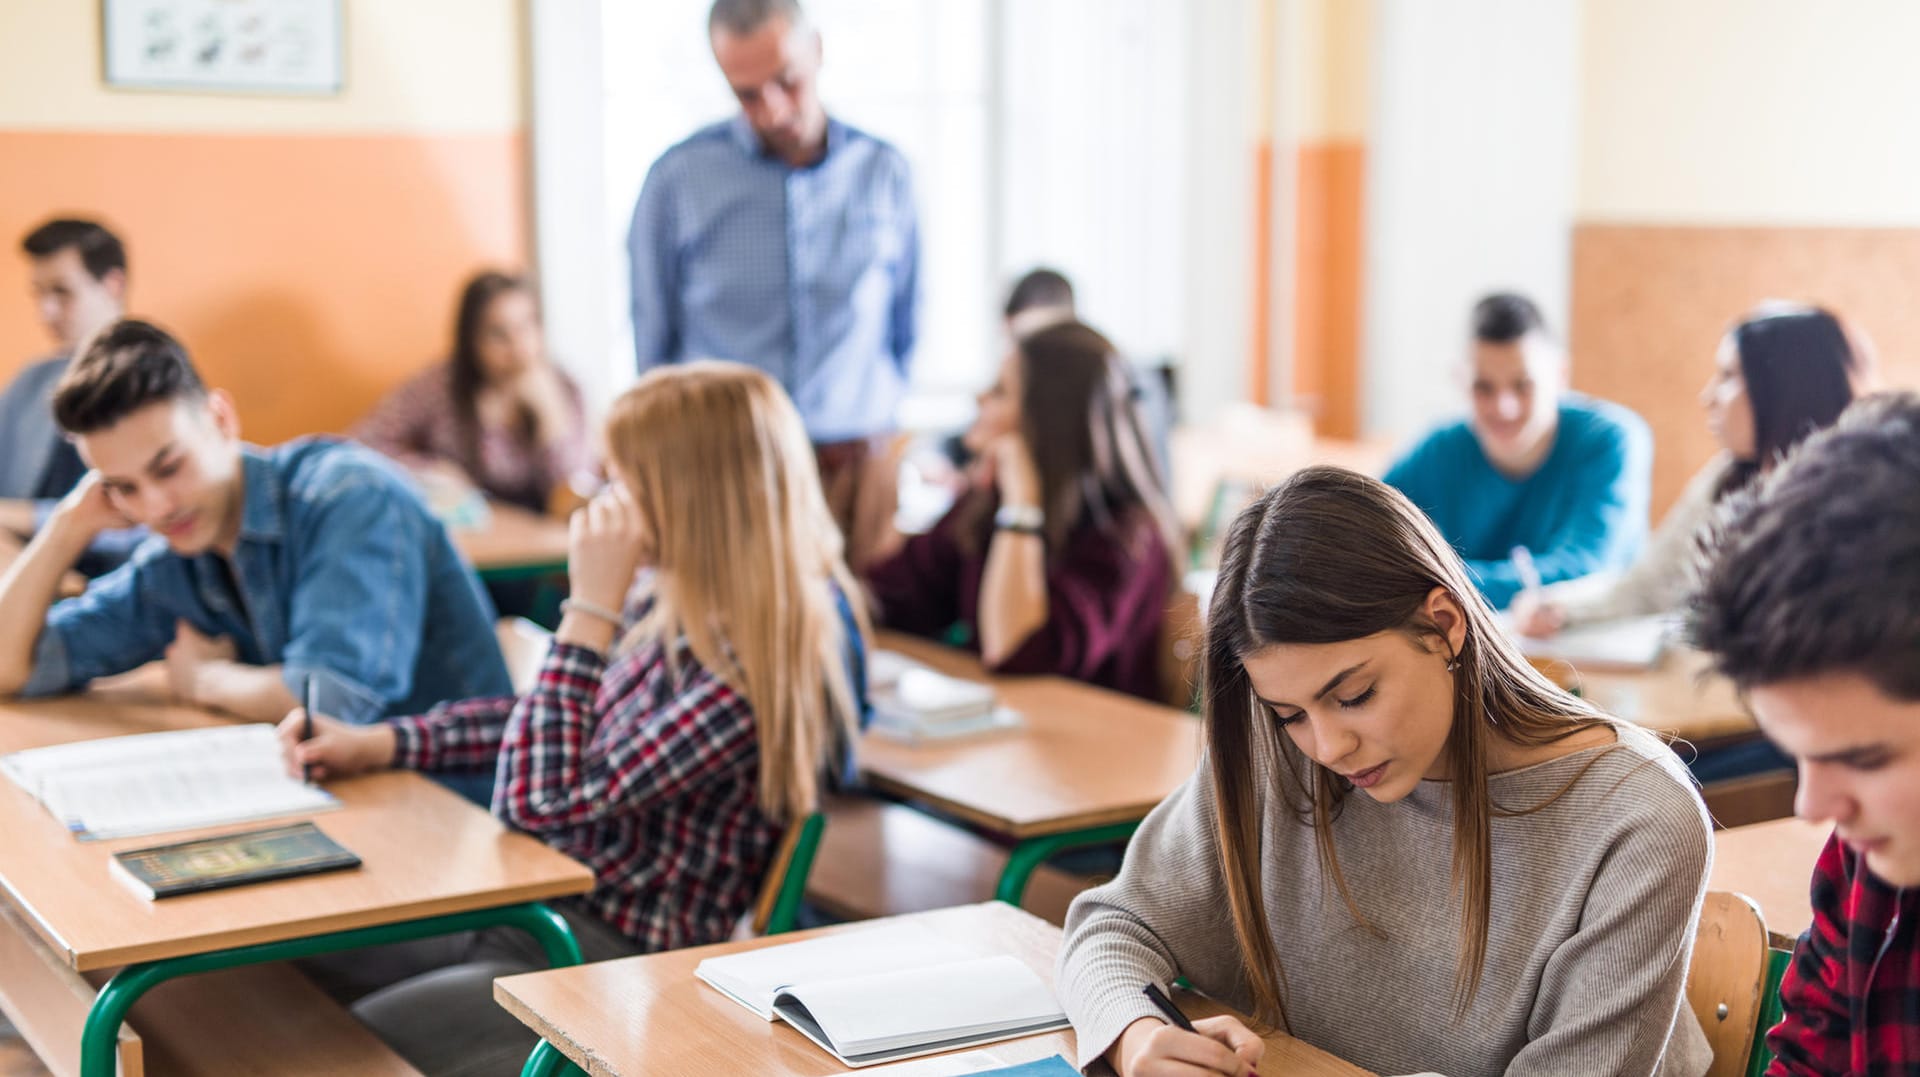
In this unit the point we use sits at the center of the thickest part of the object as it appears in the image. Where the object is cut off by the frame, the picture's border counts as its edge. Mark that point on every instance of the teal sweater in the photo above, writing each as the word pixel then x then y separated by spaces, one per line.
pixel 1583 510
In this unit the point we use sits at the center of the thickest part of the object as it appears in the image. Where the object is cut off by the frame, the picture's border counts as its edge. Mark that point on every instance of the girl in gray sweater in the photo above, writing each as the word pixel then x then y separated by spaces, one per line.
pixel 1403 845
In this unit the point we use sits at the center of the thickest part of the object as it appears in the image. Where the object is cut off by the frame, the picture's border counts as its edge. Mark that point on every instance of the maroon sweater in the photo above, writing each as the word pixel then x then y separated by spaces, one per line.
pixel 1106 601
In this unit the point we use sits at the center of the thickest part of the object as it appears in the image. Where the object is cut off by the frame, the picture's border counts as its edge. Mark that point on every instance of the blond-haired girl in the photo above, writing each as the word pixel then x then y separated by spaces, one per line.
pixel 703 682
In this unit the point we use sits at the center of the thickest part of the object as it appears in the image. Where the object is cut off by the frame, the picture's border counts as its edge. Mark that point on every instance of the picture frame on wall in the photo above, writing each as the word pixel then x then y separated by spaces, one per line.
pixel 224 46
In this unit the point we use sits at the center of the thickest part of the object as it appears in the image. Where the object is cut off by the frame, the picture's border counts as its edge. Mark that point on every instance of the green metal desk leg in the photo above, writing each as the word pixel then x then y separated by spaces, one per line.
pixel 100 1038
pixel 1033 852
pixel 547 1061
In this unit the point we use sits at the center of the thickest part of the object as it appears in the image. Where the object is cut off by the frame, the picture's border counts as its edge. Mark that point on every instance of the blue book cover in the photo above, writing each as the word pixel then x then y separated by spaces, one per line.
pixel 1046 1067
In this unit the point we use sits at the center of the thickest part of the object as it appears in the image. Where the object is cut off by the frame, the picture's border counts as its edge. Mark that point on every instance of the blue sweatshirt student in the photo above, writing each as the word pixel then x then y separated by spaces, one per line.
pixel 1563 475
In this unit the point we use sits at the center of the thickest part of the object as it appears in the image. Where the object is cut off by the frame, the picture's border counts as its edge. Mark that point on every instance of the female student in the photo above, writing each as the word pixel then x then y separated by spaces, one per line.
pixel 1403 845
pixel 1059 556
pixel 497 415
pixel 1782 373
pixel 687 710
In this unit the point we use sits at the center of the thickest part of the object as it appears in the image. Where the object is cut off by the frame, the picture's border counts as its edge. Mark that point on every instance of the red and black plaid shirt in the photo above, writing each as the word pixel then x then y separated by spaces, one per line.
pixel 1852 993
pixel 646 770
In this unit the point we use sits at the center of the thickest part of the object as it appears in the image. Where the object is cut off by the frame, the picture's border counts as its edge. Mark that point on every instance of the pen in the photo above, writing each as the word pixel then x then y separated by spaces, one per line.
pixel 1524 567
pixel 1166 1006
pixel 306 728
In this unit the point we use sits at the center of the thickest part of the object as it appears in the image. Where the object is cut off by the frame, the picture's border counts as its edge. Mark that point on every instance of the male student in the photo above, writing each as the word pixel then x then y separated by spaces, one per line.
pixel 79 275
pixel 788 240
pixel 269 570
pixel 1535 467
pixel 1811 604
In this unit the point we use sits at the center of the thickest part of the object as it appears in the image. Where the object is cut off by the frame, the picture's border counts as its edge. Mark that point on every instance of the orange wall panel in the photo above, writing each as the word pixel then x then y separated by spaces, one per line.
pixel 1651 303
pixel 306 274
pixel 1330 179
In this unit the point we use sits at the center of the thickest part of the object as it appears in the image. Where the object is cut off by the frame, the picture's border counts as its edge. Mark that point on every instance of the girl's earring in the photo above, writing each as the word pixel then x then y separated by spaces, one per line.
pixel 1453 665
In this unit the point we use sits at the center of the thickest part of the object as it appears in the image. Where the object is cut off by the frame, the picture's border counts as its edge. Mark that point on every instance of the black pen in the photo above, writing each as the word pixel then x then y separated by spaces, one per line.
pixel 306 729
pixel 1165 1005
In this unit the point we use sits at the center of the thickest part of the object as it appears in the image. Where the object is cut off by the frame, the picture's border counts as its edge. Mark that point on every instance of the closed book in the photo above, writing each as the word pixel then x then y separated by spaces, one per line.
pixel 252 856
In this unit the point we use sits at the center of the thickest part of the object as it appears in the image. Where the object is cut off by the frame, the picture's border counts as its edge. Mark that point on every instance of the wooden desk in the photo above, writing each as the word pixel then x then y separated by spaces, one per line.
pixel 650 1015
pixel 1086 768
pixel 430 860
pixel 514 544
pixel 1772 863
pixel 1675 698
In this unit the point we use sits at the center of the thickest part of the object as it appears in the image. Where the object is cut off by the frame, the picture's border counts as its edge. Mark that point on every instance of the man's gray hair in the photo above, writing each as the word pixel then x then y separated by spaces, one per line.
pixel 742 17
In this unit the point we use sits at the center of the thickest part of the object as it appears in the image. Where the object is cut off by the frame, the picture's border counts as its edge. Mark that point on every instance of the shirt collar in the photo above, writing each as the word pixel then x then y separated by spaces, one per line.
pixel 263 514
pixel 743 136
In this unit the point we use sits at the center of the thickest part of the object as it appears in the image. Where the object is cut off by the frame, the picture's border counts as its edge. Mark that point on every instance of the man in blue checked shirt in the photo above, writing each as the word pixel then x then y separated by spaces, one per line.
pixel 787 240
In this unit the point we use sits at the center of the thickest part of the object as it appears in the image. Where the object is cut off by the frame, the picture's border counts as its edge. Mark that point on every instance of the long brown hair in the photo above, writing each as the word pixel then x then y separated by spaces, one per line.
pixel 467 376
pixel 1328 556
pixel 1081 422
pixel 748 560
pixel 1799 367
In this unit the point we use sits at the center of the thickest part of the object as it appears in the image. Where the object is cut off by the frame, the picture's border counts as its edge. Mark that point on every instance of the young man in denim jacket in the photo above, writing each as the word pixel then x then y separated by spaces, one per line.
pixel 269 570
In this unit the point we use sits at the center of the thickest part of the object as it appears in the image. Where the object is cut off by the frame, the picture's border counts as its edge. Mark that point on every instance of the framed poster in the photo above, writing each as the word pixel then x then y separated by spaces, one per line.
pixel 235 46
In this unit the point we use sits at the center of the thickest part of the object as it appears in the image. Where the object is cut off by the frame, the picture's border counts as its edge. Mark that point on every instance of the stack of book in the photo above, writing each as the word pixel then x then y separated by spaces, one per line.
pixel 912 703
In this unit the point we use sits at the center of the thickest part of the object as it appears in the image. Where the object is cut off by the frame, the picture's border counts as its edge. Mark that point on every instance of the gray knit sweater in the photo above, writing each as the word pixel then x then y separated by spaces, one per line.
pixel 1595 902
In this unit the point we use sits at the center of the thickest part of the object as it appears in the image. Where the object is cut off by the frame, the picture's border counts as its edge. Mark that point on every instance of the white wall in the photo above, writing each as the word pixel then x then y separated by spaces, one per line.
pixel 1750 112
pixel 1470 188
pixel 1217 215
pixel 1092 118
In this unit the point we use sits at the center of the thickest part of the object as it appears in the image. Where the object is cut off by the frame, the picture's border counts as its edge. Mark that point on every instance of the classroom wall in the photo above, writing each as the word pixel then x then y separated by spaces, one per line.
pixel 1469 187
pixel 1328 47
pixel 307 250
pixel 1731 151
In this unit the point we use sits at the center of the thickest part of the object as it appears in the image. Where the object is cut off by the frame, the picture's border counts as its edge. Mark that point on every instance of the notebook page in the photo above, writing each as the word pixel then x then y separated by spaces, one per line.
pixel 887 1011
pixel 755 977
pixel 157 782
pixel 1625 644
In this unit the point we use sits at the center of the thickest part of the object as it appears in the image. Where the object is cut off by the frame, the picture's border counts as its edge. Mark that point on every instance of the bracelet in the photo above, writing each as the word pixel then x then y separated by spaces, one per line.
pixel 591 609
pixel 1024 519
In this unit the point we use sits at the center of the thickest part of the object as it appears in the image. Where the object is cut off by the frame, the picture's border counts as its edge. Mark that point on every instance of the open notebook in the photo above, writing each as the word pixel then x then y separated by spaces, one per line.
pixel 887 993
pixel 1625 645
pixel 152 783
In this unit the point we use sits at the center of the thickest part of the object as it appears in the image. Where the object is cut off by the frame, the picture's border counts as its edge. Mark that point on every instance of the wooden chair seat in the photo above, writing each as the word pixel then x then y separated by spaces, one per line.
pixel 883 859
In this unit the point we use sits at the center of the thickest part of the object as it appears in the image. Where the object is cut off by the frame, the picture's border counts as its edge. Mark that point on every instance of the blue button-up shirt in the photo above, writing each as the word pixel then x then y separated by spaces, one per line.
pixel 810 274
pixel 340 575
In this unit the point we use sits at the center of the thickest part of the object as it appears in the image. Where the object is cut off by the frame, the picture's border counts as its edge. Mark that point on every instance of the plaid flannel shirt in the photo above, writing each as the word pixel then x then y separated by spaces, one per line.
pixel 646 770
pixel 1852 992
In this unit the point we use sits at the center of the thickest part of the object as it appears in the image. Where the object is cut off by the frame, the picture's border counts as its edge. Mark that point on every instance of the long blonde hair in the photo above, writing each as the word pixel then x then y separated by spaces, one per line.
pixel 1325 557
pixel 747 558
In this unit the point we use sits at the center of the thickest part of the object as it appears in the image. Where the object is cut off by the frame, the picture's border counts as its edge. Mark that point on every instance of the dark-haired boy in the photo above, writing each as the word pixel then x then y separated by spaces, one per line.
pixel 268 569
pixel 79 275
pixel 1811 604
pixel 1565 476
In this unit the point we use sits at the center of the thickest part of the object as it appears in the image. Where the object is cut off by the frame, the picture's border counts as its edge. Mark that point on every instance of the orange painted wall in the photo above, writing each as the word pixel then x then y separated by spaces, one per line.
pixel 1329 183
pixel 305 273
pixel 1650 304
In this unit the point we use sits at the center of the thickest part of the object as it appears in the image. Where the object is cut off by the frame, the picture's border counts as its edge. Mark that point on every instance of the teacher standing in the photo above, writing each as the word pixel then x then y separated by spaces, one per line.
pixel 785 239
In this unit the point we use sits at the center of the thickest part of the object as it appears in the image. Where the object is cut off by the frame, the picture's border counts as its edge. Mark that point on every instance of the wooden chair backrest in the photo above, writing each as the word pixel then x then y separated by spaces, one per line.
pixel 1725 983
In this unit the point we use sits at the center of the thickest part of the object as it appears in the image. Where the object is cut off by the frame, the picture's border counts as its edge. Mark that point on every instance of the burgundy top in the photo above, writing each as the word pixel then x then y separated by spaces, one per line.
pixel 418 421
pixel 1106 601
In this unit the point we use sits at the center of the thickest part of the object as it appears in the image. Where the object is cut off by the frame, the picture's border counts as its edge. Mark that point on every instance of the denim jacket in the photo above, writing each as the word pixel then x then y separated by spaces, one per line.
pixel 340 575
